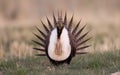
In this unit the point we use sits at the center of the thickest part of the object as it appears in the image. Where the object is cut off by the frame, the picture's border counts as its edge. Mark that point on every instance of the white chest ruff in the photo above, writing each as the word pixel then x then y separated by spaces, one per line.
pixel 65 42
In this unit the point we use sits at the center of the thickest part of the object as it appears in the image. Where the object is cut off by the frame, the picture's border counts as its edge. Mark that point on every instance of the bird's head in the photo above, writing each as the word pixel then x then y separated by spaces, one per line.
pixel 60 25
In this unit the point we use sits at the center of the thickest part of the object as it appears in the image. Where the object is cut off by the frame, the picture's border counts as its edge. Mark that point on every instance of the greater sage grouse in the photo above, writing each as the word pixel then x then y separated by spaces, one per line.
pixel 61 41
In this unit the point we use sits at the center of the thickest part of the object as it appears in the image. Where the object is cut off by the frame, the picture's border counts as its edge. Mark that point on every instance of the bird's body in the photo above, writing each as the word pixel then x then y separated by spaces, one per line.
pixel 59 49
pixel 61 43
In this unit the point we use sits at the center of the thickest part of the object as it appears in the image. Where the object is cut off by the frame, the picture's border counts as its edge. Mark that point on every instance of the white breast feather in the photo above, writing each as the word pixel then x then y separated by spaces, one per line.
pixel 65 41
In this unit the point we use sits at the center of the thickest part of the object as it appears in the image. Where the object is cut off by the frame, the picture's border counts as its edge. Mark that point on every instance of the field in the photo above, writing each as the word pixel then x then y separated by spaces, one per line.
pixel 18 19
pixel 17 56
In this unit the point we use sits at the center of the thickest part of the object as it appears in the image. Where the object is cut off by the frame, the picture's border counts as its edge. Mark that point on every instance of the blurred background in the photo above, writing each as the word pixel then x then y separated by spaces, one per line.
pixel 18 19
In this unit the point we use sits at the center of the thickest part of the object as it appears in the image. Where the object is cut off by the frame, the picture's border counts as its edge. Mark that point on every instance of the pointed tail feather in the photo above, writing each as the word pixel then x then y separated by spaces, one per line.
pixel 81 48
pixel 39 49
pixel 80 38
pixel 80 43
pixel 55 22
pixel 75 29
pixel 40 38
pixel 40 54
pixel 38 43
pixel 65 19
pixel 50 25
pixel 70 23
pixel 79 32
pixel 46 29
pixel 41 32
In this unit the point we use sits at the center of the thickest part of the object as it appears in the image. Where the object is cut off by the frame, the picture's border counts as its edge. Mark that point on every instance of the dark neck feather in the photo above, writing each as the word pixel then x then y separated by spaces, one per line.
pixel 59 24
pixel 59 31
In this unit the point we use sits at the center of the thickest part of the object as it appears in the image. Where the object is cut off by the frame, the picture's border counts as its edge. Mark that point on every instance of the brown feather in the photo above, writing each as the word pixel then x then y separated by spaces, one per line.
pixel 41 32
pixel 70 24
pixel 46 29
pixel 65 19
pixel 50 25
pixel 75 29
pixel 80 38
pixel 79 32
pixel 55 22
pixel 73 44
pixel 38 43
pixel 80 43
pixel 40 38
pixel 39 49
pixel 83 47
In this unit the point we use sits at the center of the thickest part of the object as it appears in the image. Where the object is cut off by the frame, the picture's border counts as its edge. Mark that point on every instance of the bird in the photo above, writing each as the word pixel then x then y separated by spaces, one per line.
pixel 61 41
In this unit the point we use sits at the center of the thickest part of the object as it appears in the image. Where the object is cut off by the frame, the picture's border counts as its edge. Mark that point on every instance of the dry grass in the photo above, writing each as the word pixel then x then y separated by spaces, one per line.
pixel 20 50
pixel 2 53
pixel 15 42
